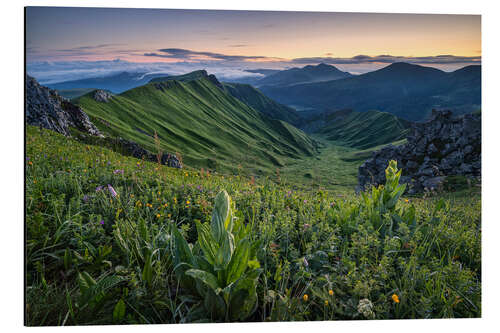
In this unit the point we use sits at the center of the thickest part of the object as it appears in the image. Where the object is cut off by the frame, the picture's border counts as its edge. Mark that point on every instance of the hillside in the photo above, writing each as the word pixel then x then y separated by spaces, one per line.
pixel 100 228
pixel 260 102
pixel 405 90
pixel 307 74
pixel 362 130
pixel 245 93
pixel 198 119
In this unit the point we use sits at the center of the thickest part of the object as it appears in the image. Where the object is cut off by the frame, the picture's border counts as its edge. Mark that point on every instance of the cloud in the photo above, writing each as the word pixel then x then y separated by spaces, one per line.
pixel 225 67
pixel 238 45
pixel 47 72
pixel 189 55
pixel 389 59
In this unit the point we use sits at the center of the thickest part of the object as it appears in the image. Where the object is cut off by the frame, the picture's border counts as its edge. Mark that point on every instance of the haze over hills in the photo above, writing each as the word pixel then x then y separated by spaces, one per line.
pixel 307 74
pixel 406 90
pixel 116 83
pixel 199 118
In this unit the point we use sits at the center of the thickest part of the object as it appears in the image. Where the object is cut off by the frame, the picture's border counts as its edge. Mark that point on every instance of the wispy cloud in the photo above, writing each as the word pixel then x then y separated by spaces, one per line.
pixel 389 59
pixel 189 55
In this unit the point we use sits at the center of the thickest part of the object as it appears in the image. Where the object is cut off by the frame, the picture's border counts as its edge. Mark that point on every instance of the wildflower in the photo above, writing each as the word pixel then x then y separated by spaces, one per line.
pixel 98 188
pixel 365 307
pixel 112 191
pixel 305 297
pixel 330 292
pixel 102 222
pixel 406 200
pixel 326 303
pixel 305 201
pixel 305 262
pixel 158 215
pixel 85 198
pixel 306 226
pixel 30 163
pixel 186 174
pixel 169 215
pixel 332 204
pixel 188 202
pixel 118 171
pixel 395 298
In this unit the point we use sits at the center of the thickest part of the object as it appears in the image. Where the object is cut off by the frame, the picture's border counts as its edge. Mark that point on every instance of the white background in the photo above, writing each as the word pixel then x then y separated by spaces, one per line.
pixel 12 152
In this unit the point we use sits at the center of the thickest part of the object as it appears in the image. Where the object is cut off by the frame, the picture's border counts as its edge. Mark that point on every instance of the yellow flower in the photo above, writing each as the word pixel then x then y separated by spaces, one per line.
pixel 169 215
pixel 326 303
pixel 406 200
pixel 158 215
pixel 187 202
pixel 305 297
pixel 330 292
pixel 395 298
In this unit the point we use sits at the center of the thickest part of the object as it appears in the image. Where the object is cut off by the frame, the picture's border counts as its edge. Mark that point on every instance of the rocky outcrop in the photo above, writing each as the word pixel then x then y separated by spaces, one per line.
pixel 440 147
pixel 45 108
pixel 102 96
pixel 133 149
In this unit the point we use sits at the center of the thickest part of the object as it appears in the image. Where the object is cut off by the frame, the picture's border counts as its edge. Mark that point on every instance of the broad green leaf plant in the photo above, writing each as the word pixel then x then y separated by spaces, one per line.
pixel 221 268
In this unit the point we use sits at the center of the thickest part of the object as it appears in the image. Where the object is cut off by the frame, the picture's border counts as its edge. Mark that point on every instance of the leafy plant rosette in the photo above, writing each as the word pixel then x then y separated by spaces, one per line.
pixel 221 267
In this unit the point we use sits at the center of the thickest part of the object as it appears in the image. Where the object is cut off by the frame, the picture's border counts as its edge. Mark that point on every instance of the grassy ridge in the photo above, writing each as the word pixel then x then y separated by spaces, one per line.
pixel 363 130
pixel 260 102
pixel 323 256
pixel 209 127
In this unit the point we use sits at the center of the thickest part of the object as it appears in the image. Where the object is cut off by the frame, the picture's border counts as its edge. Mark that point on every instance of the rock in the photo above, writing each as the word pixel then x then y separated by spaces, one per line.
pixel 133 149
pixel 433 183
pixel 440 147
pixel 45 108
pixel 102 96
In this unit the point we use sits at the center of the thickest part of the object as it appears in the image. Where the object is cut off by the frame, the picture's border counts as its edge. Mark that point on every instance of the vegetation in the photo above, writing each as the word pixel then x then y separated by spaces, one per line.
pixel 113 239
pixel 363 129
pixel 211 128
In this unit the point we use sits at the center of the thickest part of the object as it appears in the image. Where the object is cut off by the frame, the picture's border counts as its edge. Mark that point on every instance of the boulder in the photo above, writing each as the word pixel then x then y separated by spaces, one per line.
pixel 443 146
pixel 47 109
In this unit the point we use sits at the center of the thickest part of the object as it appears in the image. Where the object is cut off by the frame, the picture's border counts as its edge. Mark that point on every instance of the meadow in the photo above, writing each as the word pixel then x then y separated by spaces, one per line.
pixel 111 239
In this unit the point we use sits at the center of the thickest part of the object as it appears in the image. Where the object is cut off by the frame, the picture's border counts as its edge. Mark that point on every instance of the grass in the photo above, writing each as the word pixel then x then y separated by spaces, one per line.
pixel 207 126
pixel 96 258
pixel 364 130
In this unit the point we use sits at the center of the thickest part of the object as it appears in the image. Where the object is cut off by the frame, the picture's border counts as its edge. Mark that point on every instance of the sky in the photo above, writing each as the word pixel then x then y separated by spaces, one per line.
pixel 67 43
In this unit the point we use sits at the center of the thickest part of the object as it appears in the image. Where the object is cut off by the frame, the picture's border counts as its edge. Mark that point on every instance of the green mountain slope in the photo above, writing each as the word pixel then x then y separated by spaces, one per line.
pixel 208 126
pixel 245 93
pixel 260 102
pixel 363 130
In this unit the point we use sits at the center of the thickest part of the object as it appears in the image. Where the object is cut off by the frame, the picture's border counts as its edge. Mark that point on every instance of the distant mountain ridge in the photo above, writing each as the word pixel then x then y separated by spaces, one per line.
pixel 307 74
pixel 405 90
